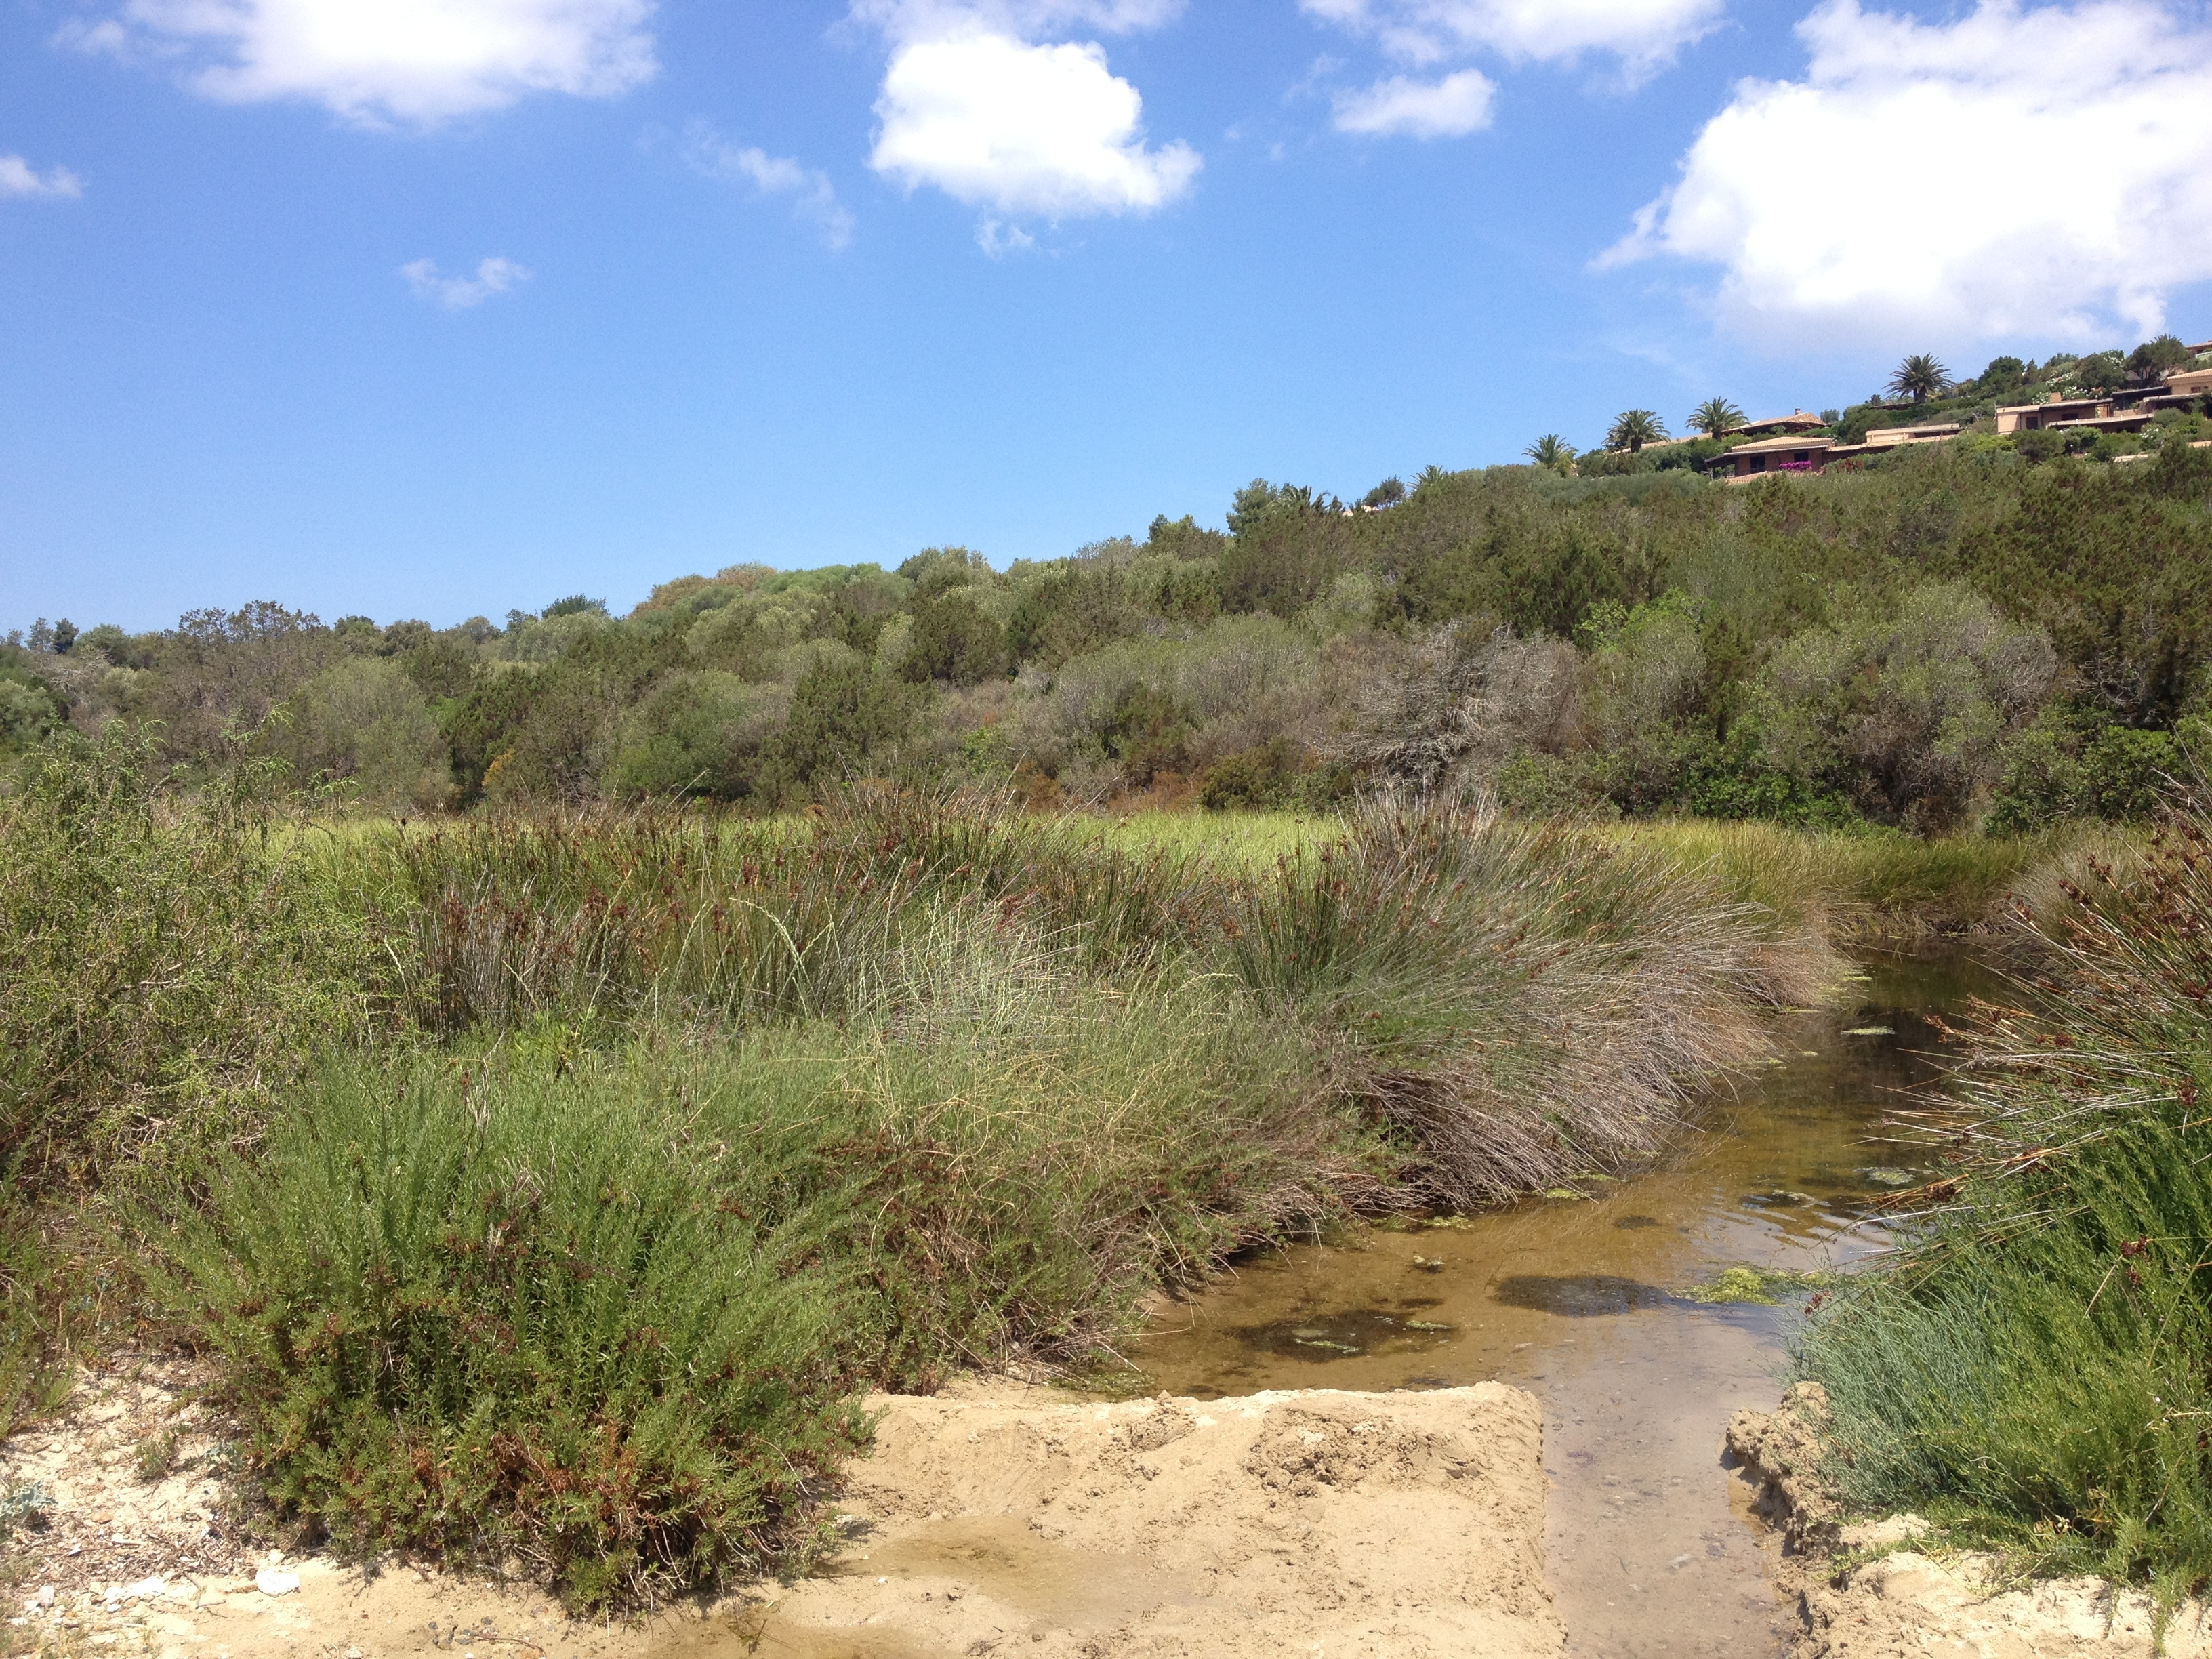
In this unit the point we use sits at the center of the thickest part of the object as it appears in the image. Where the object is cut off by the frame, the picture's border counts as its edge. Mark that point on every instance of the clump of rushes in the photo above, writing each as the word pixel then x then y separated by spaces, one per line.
pixel 656 913
pixel 1523 1002
pixel 2030 1369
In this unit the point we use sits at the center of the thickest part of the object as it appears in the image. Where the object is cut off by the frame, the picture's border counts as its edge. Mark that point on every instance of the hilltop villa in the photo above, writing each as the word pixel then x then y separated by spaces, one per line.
pixel 2129 409
pixel 1793 448
pixel 1809 454
pixel 1781 426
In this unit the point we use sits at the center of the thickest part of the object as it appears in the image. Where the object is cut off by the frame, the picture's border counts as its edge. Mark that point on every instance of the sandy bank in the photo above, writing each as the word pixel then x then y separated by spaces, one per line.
pixel 1948 1604
pixel 997 1519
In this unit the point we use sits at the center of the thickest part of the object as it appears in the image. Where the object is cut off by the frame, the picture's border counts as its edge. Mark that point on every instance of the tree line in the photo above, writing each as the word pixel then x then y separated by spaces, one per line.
pixel 1948 638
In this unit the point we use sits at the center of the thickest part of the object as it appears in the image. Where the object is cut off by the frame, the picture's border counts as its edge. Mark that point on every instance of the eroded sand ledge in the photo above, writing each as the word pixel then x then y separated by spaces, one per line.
pixel 1904 1604
pixel 1001 1519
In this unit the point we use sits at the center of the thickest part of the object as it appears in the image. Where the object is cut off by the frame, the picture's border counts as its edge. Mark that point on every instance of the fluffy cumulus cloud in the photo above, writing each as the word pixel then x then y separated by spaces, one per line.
pixel 414 61
pixel 1448 108
pixel 493 277
pixel 19 178
pixel 2021 170
pixel 1643 35
pixel 1001 123
pixel 813 197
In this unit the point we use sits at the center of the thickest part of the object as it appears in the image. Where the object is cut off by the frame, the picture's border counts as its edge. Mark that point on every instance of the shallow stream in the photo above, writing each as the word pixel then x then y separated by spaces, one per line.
pixel 1649 1549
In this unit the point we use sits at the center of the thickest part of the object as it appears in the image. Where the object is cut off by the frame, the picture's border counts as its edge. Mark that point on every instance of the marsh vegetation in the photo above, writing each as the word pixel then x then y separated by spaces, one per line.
pixel 549 1187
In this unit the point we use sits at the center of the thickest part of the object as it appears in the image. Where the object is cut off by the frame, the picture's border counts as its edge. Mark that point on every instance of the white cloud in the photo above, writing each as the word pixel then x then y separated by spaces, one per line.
pixel 918 20
pixel 1643 34
pixel 19 178
pixel 999 123
pixel 493 277
pixel 418 61
pixel 998 240
pixel 2019 171
pixel 814 198
pixel 1449 108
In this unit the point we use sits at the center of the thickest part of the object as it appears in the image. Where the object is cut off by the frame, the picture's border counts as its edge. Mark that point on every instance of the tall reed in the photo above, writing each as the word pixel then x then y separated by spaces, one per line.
pixel 2031 1368
pixel 1524 1003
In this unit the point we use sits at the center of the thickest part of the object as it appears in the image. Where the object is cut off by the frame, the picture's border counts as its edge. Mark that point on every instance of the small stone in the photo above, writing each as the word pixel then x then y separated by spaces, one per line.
pixel 270 1582
pixel 147 1589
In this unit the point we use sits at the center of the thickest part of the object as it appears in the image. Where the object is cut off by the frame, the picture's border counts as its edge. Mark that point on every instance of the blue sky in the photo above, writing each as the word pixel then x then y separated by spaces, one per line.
pixel 436 307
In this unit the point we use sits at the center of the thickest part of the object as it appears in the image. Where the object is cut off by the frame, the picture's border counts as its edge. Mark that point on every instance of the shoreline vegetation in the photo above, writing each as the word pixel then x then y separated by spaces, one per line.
pixel 548 1187
pixel 2027 1372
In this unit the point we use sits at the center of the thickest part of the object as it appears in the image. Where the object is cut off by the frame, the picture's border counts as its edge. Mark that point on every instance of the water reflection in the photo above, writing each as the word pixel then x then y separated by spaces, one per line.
pixel 1578 1301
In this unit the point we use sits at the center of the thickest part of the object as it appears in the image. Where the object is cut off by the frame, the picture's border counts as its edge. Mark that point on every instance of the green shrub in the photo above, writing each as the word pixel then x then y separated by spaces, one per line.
pixel 842 714
pixel 953 641
pixel 512 1315
pixel 702 733
pixel 362 723
pixel 2056 770
pixel 46 1316
pixel 1736 779
pixel 169 959
pixel 1250 781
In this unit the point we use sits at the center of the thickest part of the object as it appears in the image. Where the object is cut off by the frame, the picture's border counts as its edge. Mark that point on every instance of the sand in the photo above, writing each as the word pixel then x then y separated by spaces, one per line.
pixel 995 1518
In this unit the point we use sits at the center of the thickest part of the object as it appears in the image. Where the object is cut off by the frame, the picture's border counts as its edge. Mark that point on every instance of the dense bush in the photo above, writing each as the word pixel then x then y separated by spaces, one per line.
pixel 169 963
pixel 521 1318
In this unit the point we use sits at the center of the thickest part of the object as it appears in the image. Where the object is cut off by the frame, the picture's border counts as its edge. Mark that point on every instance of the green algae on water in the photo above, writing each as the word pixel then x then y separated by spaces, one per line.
pixel 1763 1287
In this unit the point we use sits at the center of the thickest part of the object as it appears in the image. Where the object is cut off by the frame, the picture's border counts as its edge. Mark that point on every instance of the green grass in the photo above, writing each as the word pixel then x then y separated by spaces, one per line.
pixel 2030 1369
pixel 1229 841
pixel 1880 883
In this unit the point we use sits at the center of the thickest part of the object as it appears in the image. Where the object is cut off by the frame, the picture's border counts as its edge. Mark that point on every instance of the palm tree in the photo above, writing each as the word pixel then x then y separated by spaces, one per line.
pixel 1715 417
pixel 1919 377
pixel 1551 451
pixel 1634 428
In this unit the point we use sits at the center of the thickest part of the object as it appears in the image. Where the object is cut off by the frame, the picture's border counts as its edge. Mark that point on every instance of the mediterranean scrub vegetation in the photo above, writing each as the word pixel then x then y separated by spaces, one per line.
pixel 549 1187
pixel 1947 639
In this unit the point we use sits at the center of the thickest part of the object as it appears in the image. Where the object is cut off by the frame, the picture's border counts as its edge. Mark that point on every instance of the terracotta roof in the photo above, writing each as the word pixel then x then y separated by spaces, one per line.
pixel 1782 423
pixel 1888 437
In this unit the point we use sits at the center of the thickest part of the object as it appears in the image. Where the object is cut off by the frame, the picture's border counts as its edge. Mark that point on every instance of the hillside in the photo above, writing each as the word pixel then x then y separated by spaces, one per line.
pixel 1945 637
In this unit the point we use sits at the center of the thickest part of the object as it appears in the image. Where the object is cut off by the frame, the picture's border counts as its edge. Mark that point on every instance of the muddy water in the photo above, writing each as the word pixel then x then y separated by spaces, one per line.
pixel 1647 1548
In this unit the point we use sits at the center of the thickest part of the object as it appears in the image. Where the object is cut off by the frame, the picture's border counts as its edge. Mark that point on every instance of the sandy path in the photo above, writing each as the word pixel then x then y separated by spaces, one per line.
pixel 992 1519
